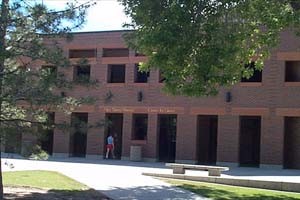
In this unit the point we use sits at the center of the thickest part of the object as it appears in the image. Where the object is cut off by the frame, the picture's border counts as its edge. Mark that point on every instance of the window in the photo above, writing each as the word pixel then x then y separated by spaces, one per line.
pixel 116 74
pixel 83 53
pixel 257 74
pixel 82 73
pixel 292 71
pixel 49 70
pixel 118 52
pixel 139 54
pixel 140 77
pixel 161 77
pixel 140 126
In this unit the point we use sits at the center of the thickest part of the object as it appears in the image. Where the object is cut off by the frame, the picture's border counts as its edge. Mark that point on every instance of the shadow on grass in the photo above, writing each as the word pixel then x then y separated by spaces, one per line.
pixel 32 194
pixel 219 194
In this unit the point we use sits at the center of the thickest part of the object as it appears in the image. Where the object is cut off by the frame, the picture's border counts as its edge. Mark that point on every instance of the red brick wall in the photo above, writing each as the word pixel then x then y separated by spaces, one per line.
pixel 95 136
pixel 228 139
pixel 186 143
pixel 266 99
pixel 61 138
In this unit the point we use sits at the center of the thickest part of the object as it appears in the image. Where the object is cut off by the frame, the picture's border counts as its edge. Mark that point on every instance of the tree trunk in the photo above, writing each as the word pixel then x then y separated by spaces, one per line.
pixel 3 27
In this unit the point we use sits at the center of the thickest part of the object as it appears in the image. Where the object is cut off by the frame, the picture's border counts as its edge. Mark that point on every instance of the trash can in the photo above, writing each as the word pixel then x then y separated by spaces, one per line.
pixel 135 153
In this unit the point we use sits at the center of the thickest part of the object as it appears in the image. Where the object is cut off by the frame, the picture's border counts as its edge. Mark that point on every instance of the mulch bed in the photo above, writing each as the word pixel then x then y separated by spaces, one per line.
pixel 28 193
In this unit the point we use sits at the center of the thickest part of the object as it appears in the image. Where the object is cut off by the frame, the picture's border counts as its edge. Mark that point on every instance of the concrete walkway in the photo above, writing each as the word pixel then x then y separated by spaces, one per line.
pixel 116 179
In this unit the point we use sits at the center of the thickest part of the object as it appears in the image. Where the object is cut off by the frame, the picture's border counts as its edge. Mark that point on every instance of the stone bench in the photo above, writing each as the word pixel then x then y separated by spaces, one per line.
pixel 212 170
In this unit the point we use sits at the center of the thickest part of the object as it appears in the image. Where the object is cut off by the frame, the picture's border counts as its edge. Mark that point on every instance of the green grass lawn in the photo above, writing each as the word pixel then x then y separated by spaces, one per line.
pixel 41 179
pixel 226 192
pixel 21 185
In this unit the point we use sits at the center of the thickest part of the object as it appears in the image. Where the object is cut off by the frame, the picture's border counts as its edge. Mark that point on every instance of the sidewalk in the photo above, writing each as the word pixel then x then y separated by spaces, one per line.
pixel 124 180
pixel 114 178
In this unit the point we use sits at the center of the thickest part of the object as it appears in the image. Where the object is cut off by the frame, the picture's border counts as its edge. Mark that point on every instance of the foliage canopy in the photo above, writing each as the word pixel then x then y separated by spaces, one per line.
pixel 200 45
pixel 30 61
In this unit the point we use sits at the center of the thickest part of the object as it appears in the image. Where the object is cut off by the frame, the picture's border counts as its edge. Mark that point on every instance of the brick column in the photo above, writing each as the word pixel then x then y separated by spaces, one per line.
pixel 186 139
pixel 272 141
pixel 154 76
pixel 126 135
pixel 150 149
pixel 95 136
pixel 61 138
pixel 228 140
pixel 129 73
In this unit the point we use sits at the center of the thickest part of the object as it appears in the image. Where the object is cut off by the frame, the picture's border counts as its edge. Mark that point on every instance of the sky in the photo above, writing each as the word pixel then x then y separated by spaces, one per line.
pixel 105 15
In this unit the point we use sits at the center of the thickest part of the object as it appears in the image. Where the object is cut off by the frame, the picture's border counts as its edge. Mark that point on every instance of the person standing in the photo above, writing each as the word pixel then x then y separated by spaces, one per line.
pixel 110 146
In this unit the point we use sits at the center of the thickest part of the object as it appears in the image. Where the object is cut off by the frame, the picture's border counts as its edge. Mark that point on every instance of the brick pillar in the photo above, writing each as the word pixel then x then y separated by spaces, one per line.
pixel 95 136
pixel 61 138
pixel 186 139
pixel 272 141
pixel 154 76
pixel 228 140
pixel 126 135
pixel 129 73
pixel 150 149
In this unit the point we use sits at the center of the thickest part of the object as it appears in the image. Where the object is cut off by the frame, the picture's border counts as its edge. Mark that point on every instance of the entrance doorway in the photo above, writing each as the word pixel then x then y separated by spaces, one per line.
pixel 250 128
pixel 78 136
pixel 13 142
pixel 115 127
pixel 207 139
pixel 291 158
pixel 167 137
pixel 46 138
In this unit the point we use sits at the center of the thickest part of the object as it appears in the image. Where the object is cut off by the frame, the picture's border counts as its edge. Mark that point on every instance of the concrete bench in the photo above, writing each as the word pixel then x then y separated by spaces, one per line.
pixel 212 170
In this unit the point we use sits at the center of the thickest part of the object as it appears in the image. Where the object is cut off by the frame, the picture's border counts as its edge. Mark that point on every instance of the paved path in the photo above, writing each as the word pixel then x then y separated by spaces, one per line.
pixel 116 179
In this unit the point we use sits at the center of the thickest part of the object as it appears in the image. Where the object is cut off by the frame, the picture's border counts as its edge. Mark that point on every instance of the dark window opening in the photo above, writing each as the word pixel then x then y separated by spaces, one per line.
pixel 118 52
pixel 116 74
pixel 161 77
pixel 83 53
pixel 139 54
pixel 292 71
pixel 12 142
pixel 167 125
pixel 207 128
pixel 46 137
pixel 291 143
pixel 140 126
pixel 141 77
pixel 78 136
pixel 115 128
pixel 82 73
pixel 257 74
pixel 49 70
pixel 250 131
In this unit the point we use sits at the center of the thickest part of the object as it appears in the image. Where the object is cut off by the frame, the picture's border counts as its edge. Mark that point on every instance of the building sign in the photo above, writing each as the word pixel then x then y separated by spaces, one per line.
pixel 158 110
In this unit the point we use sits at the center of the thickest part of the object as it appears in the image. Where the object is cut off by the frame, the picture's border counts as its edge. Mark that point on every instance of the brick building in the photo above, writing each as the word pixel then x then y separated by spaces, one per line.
pixel 254 123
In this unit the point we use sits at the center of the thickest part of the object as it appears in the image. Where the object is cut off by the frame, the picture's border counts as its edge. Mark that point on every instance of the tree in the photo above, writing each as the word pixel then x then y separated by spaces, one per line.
pixel 28 36
pixel 201 45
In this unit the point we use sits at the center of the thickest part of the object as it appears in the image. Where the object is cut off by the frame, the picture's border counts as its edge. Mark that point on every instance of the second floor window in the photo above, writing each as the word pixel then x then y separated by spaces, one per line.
pixel 161 77
pixel 49 70
pixel 82 53
pixel 116 74
pixel 257 74
pixel 292 71
pixel 140 77
pixel 116 52
pixel 82 73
